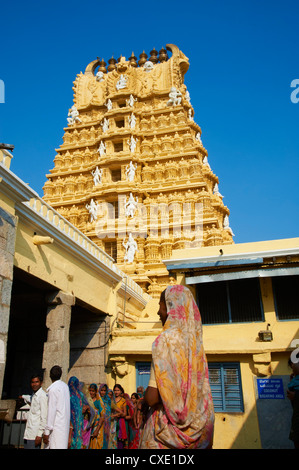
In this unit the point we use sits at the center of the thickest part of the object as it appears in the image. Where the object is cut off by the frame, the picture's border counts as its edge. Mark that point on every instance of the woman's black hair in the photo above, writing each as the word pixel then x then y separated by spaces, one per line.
pixel 162 297
pixel 120 387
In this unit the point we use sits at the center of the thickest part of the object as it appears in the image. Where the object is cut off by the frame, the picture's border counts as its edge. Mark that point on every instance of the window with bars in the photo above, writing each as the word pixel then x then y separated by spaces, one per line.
pixel 111 249
pixel 226 387
pixel 286 297
pixel 230 301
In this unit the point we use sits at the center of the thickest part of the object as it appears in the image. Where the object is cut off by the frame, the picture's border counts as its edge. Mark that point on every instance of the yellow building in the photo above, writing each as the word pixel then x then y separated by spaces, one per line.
pixel 60 294
pixel 248 298
pixel 130 207
pixel 132 173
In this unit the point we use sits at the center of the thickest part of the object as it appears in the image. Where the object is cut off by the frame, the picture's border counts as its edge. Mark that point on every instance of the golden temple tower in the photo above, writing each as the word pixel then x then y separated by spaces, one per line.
pixel 132 173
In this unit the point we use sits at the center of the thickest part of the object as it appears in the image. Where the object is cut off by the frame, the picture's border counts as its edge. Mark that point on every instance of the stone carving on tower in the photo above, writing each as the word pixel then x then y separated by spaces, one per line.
pixel 132 172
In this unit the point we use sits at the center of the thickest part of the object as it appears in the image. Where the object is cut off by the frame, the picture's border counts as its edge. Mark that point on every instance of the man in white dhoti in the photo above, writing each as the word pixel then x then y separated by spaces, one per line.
pixel 56 434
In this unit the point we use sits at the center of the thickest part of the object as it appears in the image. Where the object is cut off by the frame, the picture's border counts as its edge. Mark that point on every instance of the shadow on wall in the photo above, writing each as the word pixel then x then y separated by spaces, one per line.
pixel 89 335
pixel 272 414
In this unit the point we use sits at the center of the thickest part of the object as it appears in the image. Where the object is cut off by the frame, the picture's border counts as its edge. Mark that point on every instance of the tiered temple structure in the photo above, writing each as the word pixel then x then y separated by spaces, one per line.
pixel 132 173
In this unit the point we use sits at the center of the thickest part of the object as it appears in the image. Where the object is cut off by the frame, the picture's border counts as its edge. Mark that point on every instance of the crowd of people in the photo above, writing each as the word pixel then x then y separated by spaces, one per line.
pixel 102 418
pixel 175 412
pixel 78 416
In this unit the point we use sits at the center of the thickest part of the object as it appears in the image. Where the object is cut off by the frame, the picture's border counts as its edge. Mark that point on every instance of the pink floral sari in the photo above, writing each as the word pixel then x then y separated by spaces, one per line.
pixel 185 418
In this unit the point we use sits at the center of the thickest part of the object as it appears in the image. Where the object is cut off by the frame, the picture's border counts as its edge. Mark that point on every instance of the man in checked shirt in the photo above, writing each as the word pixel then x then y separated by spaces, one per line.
pixel 37 415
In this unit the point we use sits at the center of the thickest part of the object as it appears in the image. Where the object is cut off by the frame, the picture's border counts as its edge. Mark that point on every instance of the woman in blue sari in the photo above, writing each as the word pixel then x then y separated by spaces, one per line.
pixel 103 390
pixel 77 420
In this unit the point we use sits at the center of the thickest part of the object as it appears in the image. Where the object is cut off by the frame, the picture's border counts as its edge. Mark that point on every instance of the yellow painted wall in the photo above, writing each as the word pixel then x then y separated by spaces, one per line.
pixel 223 343
pixel 59 268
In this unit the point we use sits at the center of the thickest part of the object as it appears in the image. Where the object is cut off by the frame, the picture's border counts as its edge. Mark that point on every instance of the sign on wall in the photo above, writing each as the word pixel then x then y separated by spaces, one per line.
pixel 270 389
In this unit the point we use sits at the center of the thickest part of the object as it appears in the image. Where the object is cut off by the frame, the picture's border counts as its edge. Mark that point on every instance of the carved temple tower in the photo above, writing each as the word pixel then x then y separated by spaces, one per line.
pixel 132 173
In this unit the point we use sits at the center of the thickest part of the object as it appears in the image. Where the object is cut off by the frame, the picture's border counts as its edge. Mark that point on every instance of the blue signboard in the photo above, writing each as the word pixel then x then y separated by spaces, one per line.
pixel 270 388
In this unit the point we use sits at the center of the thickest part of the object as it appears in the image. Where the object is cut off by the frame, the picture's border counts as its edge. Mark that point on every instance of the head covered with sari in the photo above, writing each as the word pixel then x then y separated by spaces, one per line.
pixel 76 401
pixel 87 400
pixel 186 417
pixel 107 422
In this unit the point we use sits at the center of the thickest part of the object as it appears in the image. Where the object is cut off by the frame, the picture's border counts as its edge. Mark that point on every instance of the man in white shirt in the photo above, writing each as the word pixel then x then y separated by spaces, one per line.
pixel 58 423
pixel 37 415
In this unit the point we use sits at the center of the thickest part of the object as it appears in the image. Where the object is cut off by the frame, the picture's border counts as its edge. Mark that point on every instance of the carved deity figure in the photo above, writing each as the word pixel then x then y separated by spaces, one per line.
pixel 130 206
pixel 105 125
pixel 187 96
pixel 175 97
pixel 132 121
pixel 73 115
pixel 216 190
pixel 148 66
pixel 131 101
pixel 92 209
pixel 198 137
pixel 102 149
pixel 132 143
pixel 100 76
pixel 97 176
pixel 109 105
pixel 226 225
pixel 130 171
pixel 131 248
pixel 122 82
pixel 205 162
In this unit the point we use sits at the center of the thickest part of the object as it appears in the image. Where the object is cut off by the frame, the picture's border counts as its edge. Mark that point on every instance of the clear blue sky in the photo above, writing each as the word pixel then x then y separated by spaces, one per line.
pixel 243 57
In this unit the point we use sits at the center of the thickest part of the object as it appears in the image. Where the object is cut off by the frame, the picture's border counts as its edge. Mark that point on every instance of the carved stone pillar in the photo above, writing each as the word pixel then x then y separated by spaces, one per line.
pixel 8 227
pixel 57 347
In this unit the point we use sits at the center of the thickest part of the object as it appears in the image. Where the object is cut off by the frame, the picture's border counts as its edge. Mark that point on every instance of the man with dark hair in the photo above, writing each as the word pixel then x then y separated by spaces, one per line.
pixel 37 415
pixel 58 423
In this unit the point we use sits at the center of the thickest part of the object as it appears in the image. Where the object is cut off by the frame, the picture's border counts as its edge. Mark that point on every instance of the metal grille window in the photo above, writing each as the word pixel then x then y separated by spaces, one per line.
pixel 143 372
pixel 111 249
pixel 286 295
pixel 226 387
pixel 230 301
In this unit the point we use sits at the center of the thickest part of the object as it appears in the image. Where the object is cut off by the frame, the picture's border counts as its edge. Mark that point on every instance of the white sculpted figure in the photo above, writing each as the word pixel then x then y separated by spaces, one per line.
pixel 198 137
pixel 216 190
pixel 175 97
pixel 132 121
pixel 73 115
pixel 190 114
pixel 122 82
pixel 130 206
pixel 131 248
pixel 100 76
pixel 187 96
pixel 205 162
pixel 148 66
pixel 92 209
pixel 130 171
pixel 97 176
pixel 132 143
pixel 131 101
pixel 226 225
pixel 109 105
pixel 105 125
pixel 102 149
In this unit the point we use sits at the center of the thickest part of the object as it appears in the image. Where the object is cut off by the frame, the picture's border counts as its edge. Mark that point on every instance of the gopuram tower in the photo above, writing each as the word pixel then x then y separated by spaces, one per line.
pixel 132 173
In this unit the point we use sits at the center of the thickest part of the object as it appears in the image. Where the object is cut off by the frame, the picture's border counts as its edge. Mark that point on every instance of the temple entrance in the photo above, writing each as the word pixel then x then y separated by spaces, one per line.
pixel 27 333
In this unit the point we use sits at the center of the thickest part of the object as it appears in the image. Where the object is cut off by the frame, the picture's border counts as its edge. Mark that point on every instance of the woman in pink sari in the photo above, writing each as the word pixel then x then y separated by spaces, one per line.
pixel 181 414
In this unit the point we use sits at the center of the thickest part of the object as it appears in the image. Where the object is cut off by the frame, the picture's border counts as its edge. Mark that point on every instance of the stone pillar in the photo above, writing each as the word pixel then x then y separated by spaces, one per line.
pixel 8 228
pixel 57 347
